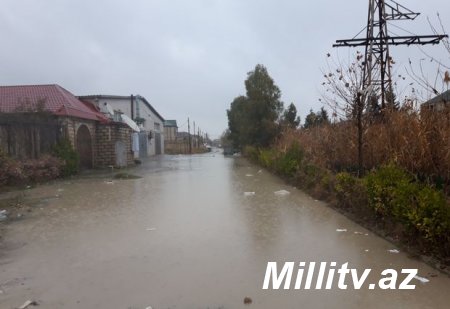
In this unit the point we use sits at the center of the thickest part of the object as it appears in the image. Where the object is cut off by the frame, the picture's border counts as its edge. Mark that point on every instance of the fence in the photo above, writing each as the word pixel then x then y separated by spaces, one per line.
pixel 27 136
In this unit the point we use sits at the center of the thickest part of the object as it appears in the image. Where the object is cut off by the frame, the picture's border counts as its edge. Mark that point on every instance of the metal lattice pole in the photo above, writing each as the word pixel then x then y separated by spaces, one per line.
pixel 377 60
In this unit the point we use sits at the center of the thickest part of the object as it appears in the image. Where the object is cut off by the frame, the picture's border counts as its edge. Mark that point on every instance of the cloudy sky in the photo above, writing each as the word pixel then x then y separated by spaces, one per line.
pixel 187 57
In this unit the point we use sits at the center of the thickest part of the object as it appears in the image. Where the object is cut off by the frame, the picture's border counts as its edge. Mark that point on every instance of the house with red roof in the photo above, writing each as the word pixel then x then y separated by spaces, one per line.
pixel 35 117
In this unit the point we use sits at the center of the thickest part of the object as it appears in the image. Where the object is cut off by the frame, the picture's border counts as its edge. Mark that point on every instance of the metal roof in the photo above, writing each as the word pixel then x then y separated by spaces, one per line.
pixel 51 98
pixel 170 123
pixel 105 96
pixel 442 98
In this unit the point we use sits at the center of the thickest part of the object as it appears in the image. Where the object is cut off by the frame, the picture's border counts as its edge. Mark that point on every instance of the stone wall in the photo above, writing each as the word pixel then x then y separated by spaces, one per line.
pixel 107 137
pixel 29 136
pixel 71 126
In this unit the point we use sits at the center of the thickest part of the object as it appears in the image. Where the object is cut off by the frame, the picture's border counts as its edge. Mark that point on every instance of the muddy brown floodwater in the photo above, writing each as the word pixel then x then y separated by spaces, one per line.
pixel 186 235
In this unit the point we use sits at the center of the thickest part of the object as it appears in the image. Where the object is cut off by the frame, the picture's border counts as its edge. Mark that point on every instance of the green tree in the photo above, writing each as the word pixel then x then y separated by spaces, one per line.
pixel 316 119
pixel 323 116
pixel 290 118
pixel 237 121
pixel 310 120
pixel 254 119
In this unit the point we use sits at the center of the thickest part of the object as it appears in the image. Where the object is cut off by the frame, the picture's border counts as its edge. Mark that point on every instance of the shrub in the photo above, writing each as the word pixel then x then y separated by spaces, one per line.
pixel 287 163
pixel 43 169
pixel 64 150
pixel 431 217
pixel 11 172
pixel 14 172
pixel 251 152
pixel 350 191
pixel 420 208
pixel 390 190
pixel 266 157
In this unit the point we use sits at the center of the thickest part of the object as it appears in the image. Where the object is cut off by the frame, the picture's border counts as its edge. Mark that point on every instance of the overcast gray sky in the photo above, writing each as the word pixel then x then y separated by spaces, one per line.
pixel 187 57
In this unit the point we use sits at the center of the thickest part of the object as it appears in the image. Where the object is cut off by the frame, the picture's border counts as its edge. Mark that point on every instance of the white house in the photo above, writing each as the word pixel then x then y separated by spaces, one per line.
pixel 151 123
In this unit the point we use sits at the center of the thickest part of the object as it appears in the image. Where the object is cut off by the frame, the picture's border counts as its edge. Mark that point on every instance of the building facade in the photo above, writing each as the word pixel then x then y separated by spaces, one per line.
pixel 33 118
pixel 170 130
pixel 150 122
pixel 439 103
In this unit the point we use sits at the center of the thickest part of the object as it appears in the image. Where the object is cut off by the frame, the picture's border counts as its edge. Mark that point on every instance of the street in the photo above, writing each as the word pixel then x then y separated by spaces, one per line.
pixel 190 233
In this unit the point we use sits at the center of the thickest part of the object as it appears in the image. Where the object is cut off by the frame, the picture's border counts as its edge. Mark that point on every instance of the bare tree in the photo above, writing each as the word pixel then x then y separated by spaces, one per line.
pixel 440 79
pixel 344 94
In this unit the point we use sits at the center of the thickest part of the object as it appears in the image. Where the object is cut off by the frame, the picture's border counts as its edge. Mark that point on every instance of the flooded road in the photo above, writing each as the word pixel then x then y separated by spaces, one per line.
pixel 186 235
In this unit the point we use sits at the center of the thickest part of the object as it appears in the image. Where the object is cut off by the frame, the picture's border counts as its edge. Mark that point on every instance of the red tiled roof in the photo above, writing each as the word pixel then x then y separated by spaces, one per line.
pixel 54 98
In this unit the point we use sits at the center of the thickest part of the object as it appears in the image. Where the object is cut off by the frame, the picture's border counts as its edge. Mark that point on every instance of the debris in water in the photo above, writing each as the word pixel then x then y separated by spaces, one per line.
pixel 151 229
pixel 341 230
pixel 367 250
pixel 421 279
pixel 149 307
pixel 358 233
pixel 109 182
pixel 282 193
pixel 248 175
pixel 394 251
pixel 247 301
pixel 3 215
pixel 260 171
pixel 249 193
pixel 126 176
pixel 28 303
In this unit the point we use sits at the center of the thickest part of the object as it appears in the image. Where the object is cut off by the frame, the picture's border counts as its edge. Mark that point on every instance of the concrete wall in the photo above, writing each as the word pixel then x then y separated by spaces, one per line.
pixel 152 124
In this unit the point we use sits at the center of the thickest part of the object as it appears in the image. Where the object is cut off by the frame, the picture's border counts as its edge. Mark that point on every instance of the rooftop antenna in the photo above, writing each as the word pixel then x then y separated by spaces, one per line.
pixel 377 60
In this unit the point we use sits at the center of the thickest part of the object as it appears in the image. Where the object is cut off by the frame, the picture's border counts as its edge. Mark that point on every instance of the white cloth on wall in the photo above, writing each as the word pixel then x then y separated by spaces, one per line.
pixel 135 143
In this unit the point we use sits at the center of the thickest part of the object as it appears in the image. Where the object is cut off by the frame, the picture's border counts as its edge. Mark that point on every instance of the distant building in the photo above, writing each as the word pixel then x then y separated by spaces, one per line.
pixel 151 137
pixel 170 130
pixel 438 103
pixel 33 118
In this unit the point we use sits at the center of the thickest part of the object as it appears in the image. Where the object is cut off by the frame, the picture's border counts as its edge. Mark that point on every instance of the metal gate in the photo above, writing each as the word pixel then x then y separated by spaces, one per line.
pixel 121 154
pixel 158 143
pixel 143 142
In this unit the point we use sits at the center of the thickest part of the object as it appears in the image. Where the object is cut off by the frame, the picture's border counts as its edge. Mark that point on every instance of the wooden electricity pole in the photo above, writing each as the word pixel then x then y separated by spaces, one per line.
pixel 189 137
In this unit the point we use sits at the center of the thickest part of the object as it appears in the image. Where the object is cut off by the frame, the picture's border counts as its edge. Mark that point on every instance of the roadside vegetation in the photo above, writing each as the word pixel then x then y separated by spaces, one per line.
pixel 388 170
pixel 62 162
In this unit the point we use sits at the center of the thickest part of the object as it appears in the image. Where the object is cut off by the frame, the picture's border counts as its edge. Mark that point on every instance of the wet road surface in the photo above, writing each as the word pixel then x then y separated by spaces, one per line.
pixel 186 235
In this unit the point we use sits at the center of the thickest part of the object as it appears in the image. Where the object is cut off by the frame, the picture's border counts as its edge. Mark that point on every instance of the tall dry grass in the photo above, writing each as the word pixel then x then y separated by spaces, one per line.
pixel 419 143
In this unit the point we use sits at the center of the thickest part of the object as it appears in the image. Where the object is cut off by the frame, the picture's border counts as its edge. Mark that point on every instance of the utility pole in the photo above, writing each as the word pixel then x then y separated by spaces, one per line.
pixel 189 137
pixel 377 60
pixel 193 133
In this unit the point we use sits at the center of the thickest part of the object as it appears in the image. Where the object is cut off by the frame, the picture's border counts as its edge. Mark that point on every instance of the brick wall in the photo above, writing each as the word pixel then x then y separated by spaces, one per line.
pixel 71 126
pixel 107 135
